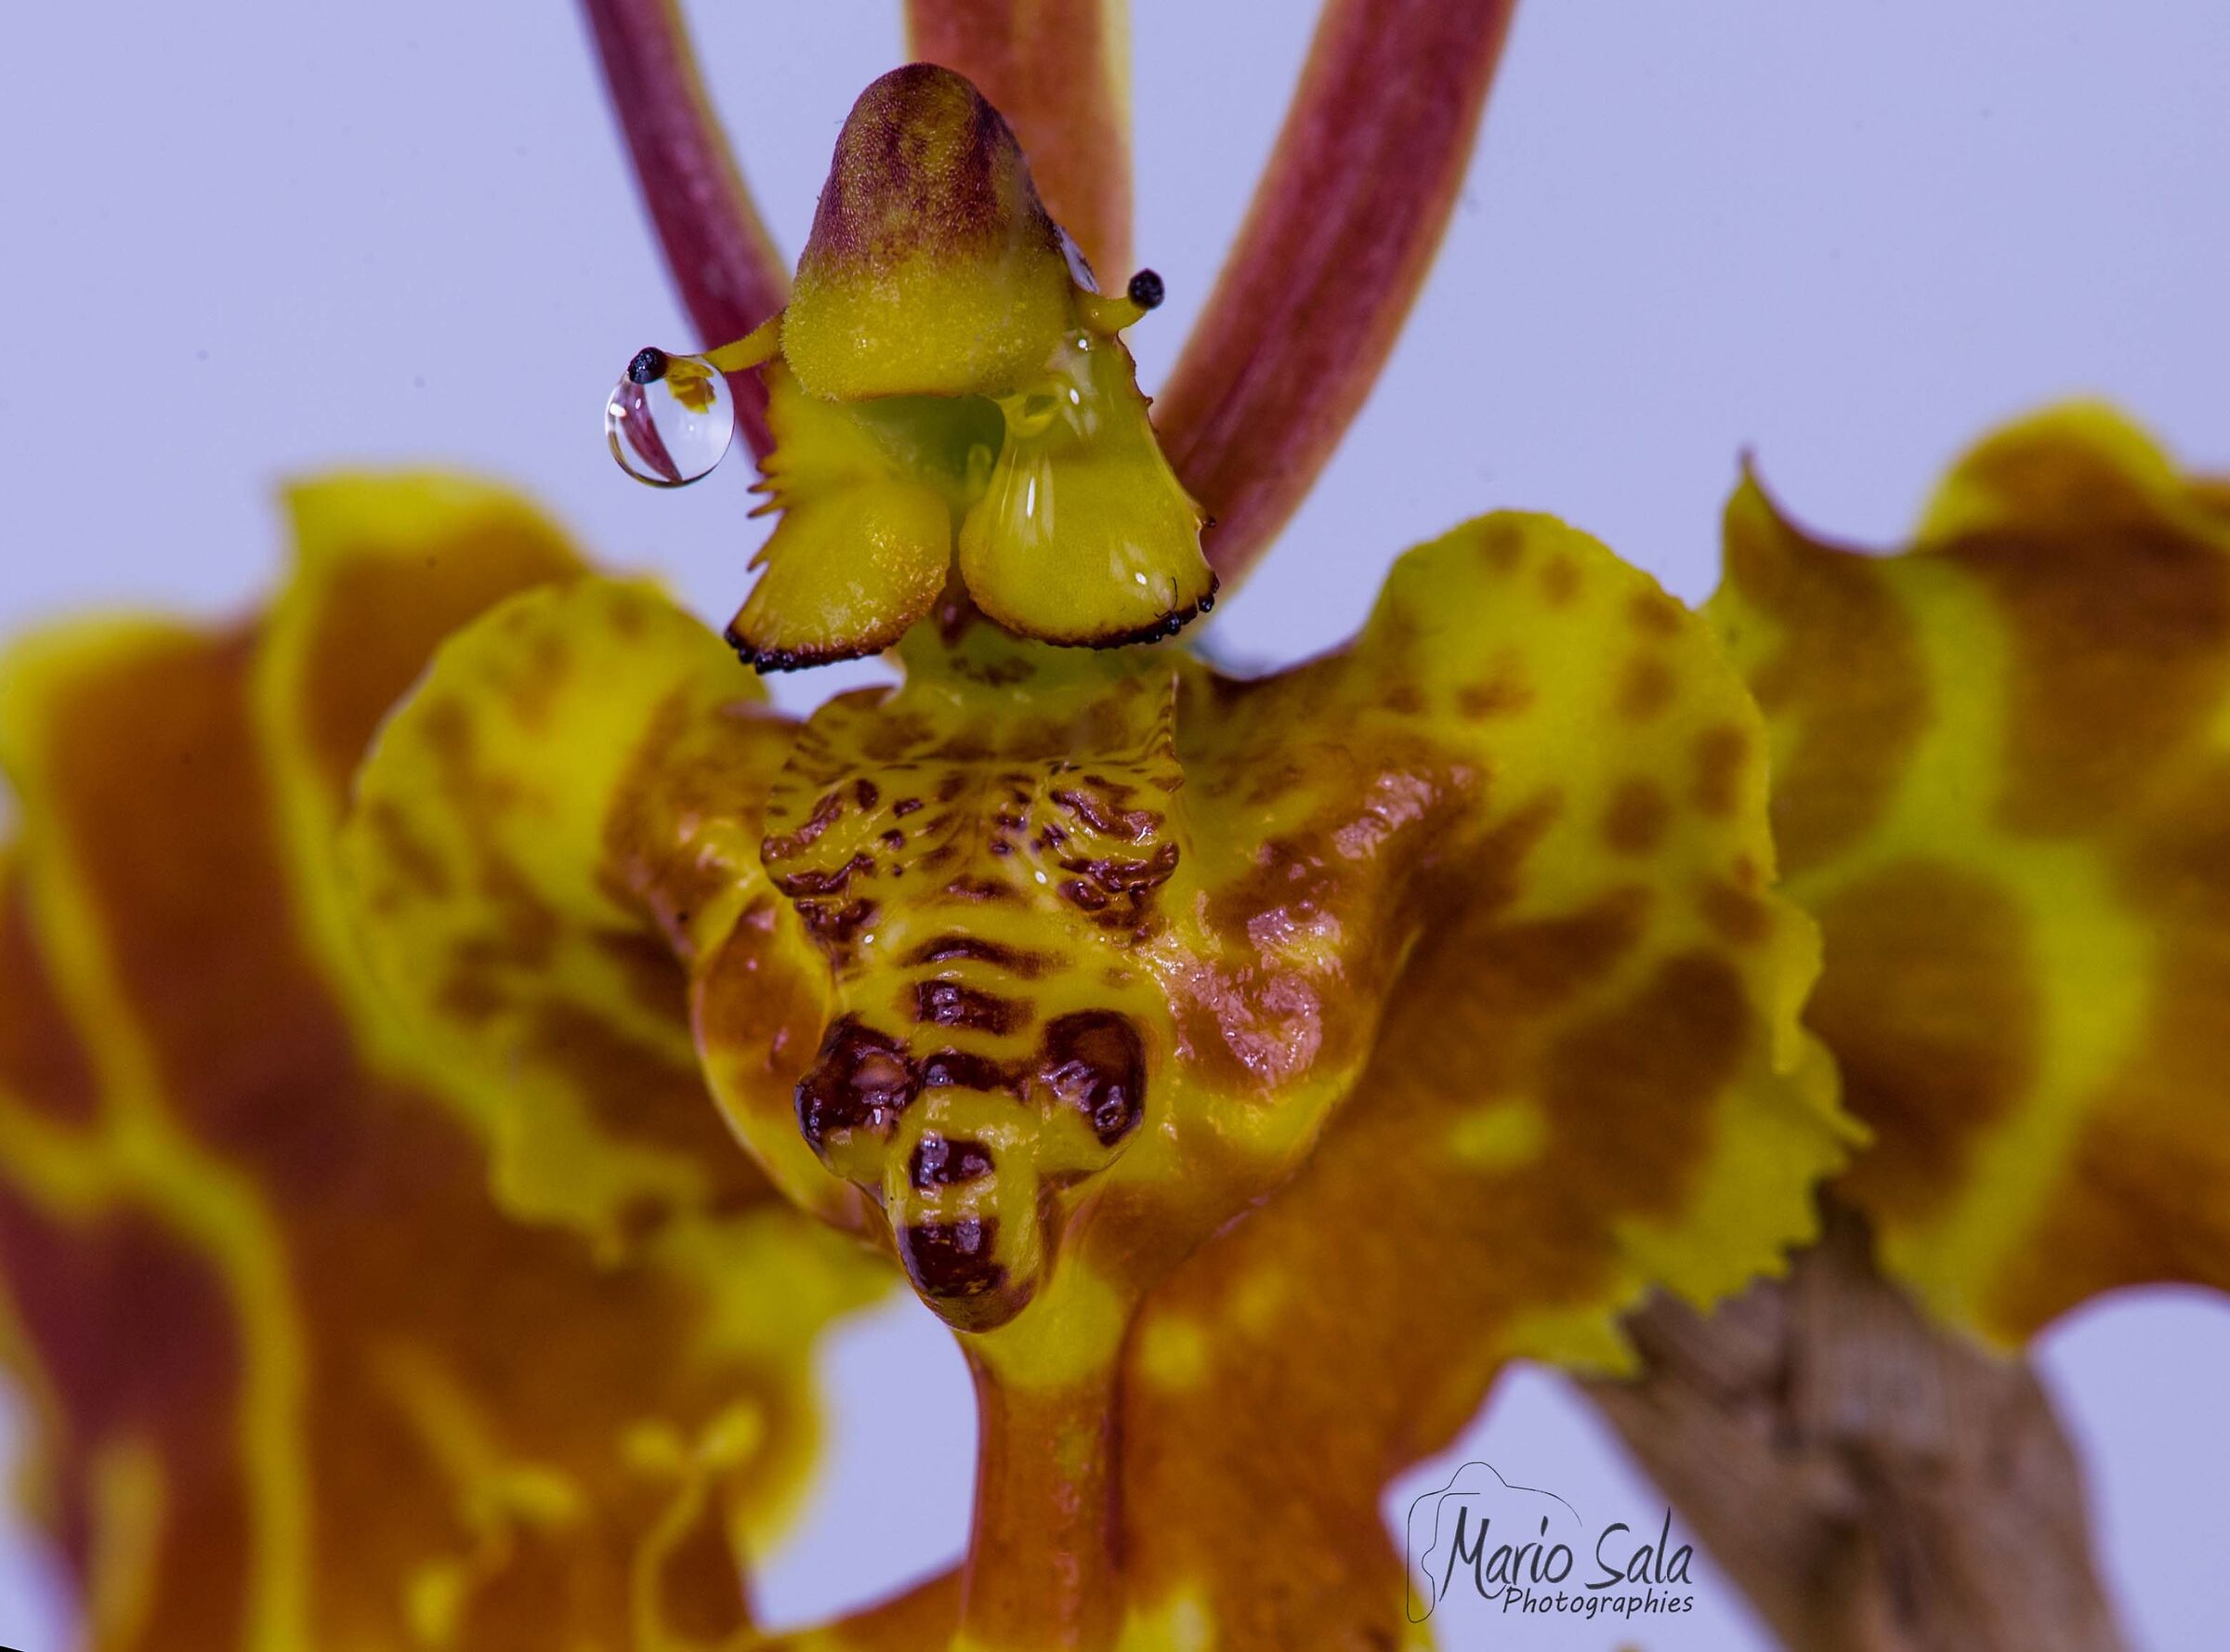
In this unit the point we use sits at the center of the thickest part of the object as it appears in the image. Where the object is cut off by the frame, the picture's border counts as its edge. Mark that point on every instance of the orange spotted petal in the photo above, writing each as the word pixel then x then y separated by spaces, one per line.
pixel 1172 1020
pixel 1159 1024
pixel 385 566
pixel 1588 1080
pixel 541 836
pixel 297 1382
pixel 2002 785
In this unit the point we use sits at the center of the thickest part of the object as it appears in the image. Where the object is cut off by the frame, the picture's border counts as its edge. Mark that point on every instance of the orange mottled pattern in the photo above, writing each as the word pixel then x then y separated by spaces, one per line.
pixel 297 1382
pixel 2002 784
pixel 981 864
pixel 1585 1079
pixel 1159 1024
pixel 496 865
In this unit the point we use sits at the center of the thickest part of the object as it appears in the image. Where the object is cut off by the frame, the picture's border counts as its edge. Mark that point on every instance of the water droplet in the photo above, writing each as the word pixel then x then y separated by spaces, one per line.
pixel 670 418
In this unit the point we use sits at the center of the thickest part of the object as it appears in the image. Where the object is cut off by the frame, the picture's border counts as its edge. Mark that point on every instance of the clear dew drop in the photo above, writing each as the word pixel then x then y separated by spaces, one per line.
pixel 670 418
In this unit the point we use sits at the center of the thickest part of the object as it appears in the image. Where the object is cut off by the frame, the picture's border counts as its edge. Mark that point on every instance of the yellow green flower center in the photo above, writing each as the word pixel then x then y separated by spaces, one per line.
pixel 951 399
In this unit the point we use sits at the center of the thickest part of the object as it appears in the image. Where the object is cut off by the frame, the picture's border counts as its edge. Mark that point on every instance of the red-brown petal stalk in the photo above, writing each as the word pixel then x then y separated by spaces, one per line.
pixel 1335 246
pixel 729 275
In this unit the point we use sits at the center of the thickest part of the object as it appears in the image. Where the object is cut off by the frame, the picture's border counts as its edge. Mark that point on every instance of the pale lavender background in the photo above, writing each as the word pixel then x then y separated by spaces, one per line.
pixel 1848 237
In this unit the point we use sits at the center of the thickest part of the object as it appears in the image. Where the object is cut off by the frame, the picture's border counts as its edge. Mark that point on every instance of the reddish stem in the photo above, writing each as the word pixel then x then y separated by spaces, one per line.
pixel 729 275
pixel 1343 226
pixel 1044 1568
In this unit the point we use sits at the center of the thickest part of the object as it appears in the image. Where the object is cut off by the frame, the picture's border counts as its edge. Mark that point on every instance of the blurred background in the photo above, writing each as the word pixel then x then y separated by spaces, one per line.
pixel 242 242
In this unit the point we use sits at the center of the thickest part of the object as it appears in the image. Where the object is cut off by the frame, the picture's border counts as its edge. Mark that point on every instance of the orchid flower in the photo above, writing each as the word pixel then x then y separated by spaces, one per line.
pixel 483 1045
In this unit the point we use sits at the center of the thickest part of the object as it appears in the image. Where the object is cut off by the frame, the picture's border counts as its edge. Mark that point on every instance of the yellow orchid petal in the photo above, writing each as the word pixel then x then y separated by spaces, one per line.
pixel 591 757
pixel 1085 534
pixel 1459 943
pixel 1589 1079
pixel 868 494
pixel 2002 784
pixel 505 918
pixel 298 1383
pixel 1013 843
pixel 1157 1024
pixel 385 566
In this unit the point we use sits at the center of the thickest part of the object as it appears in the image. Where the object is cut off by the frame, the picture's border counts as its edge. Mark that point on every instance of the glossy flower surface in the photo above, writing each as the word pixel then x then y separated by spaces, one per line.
pixel 1047 966
pixel 480 1044
pixel 950 379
